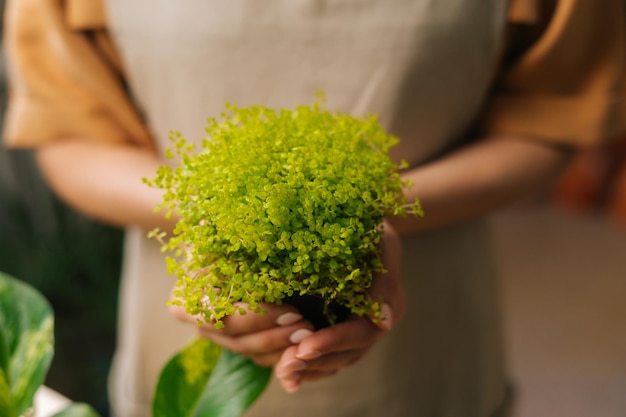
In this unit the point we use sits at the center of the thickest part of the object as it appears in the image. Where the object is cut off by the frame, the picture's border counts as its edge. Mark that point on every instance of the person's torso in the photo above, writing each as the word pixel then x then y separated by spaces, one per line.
pixel 423 66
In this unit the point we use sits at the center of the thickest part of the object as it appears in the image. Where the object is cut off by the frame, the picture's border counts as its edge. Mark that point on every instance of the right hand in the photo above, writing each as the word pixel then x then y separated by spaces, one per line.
pixel 261 337
pixel 329 350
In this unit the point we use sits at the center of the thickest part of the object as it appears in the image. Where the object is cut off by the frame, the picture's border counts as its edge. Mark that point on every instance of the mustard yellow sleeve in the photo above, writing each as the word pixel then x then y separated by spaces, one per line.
pixel 565 86
pixel 63 79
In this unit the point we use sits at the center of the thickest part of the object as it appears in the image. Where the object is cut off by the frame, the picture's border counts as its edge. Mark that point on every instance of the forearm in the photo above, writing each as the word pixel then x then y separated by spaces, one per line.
pixel 104 181
pixel 478 179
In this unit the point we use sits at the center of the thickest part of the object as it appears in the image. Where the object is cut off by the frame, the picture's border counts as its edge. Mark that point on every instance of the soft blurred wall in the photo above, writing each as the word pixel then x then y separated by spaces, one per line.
pixel 563 287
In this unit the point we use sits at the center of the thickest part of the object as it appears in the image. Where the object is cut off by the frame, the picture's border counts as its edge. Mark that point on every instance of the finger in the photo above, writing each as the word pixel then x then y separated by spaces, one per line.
pixel 267 360
pixel 353 334
pixel 238 324
pixel 290 386
pixel 288 362
pixel 326 363
pixel 309 376
pixel 335 361
pixel 261 342
pixel 387 287
pixel 386 320
pixel 290 380
pixel 273 315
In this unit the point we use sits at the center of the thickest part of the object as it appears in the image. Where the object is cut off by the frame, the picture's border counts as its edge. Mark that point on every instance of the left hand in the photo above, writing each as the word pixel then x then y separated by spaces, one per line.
pixel 261 337
pixel 328 350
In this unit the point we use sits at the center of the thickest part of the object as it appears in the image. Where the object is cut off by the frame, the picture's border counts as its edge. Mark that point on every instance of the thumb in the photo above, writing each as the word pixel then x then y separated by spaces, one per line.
pixel 387 286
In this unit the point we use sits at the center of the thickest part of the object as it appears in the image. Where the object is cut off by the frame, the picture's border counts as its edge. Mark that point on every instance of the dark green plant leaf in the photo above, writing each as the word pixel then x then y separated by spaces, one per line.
pixel 77 410
pixel 26 342
pixel 203 380
pixel 6 402
pixel 183 378
pixel 235 384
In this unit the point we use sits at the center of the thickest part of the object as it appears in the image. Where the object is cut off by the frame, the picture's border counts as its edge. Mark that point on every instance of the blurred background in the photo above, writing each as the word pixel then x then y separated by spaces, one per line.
pixel 72 260
pixel 562 258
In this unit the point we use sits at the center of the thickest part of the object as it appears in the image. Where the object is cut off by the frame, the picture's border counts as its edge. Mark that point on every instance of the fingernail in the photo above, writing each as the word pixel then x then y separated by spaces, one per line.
pixel 386 317
pixel 291 386
pixel 286 319
pixel 309 355
pixel 299 335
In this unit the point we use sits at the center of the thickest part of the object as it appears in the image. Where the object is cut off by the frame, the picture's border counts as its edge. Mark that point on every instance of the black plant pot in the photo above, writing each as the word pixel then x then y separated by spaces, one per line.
pixel 312 308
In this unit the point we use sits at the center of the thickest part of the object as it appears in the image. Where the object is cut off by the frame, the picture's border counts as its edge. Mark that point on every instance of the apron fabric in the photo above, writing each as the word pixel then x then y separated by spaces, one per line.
pixel 424 67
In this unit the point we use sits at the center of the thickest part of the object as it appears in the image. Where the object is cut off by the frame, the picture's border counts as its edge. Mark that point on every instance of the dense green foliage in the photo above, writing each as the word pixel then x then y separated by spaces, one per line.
pixel 279 203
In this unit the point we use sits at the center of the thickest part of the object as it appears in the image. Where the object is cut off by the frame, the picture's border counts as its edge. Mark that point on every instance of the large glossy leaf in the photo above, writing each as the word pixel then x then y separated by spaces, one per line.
pixel 205 381
pixel 77 410
pixel 235 384
pixel 26 343
pixel 183 378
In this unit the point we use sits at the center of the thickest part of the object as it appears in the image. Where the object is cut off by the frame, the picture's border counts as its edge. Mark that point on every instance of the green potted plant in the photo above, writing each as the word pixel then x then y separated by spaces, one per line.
pixel 277 206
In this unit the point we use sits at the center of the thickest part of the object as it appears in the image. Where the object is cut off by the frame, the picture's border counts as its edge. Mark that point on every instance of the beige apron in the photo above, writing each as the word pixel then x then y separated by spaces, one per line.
pixel 424 67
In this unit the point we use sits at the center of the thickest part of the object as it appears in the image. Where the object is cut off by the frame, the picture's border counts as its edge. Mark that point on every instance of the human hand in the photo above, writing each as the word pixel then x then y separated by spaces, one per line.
pixel 325 352
pixel 261 337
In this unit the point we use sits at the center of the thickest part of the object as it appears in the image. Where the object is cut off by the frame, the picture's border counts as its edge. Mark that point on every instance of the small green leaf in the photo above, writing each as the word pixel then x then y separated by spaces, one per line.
pixel 77 410
pixel 26 344
pixel 203 380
